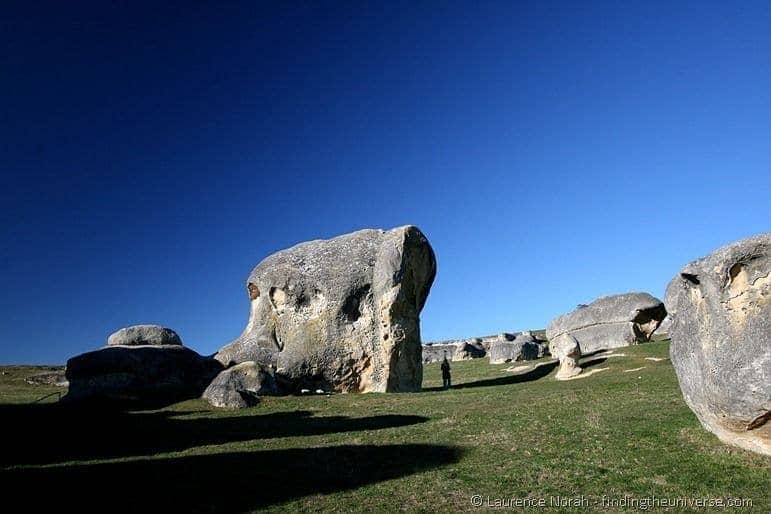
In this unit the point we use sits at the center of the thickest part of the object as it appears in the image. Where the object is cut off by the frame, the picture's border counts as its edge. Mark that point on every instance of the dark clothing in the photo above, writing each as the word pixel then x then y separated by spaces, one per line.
pixel 446 374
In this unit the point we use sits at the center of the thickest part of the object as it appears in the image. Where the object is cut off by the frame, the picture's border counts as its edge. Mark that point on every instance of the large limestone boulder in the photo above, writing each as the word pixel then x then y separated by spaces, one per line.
pixel 341 314
pixel 139 375
pixel 142 335
pixel 721 341
pixel 610 321
pixel 241 386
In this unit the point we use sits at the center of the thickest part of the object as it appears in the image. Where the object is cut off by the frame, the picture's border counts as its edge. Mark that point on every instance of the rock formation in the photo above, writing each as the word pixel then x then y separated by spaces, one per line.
pixel 608 322
pixel 721 341
pixel 144 335
pixel 340 314
pixel 241 386
pixel 132 375
pixel 478 347
pixel 565 347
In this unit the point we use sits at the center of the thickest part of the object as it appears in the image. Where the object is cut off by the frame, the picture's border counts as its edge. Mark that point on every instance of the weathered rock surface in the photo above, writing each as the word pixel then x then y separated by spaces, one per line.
pixel 147 375
pixel 721 341
pixel 241 386
pixel 518 350
pixel 341 314
pixel 141 335
pixel 611 321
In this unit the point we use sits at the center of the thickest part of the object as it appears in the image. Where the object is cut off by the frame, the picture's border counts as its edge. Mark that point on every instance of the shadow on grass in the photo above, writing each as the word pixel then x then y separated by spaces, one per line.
pixel 534 374
pixel 49 434
pixel 224 482
pixel 592 362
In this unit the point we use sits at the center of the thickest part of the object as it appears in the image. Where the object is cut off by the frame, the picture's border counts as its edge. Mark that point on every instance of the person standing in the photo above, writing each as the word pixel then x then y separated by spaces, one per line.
pixel 446 372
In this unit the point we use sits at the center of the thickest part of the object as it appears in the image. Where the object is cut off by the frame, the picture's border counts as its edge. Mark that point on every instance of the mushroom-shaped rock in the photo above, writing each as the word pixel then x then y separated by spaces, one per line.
pixel 608 322
pixel 721 341
pixel 142 335
pixel 341 314
pixel 565 347
pixel 241 386
pixel 611 321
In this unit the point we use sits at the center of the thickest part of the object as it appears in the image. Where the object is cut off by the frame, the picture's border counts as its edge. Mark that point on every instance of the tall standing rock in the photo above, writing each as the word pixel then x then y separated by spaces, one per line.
pixel 721 341
pixel 341 313
pixel 608 322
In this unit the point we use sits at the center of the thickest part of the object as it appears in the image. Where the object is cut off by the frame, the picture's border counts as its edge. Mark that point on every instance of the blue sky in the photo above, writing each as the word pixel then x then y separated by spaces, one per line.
pixel 552 152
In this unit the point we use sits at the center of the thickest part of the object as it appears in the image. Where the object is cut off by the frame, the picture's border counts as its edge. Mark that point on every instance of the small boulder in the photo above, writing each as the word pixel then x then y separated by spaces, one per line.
pixel 241 386
pixel 142 335
pixel 720 307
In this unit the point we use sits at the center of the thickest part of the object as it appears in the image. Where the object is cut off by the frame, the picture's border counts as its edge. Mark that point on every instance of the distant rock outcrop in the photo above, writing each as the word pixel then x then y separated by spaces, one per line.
pixel 436 352
pixel 134 375
pixel 241 386
pixel 608 322
pixel 478 347
pixel 340 314
pixel 721 341
pixel 51 377
pixel 469 350
pixel 524 347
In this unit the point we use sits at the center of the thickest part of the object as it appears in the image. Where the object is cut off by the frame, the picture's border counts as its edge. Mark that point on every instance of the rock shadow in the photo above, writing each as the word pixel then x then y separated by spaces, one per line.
pixel 52 433
pixel 593 362
pixel 223 482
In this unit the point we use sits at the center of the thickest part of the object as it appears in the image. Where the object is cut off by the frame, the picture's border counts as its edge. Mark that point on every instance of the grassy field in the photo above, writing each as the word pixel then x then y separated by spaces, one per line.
pixel 498 434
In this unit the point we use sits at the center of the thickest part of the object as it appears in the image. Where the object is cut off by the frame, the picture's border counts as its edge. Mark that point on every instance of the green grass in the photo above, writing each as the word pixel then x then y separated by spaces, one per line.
pixel 495 434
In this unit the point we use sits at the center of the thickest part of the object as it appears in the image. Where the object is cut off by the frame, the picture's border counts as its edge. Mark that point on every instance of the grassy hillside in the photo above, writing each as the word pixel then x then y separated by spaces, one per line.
pixel 499 434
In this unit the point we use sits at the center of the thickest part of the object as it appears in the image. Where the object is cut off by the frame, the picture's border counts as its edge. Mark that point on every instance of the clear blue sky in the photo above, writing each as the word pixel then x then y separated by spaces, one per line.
pixel 551 152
